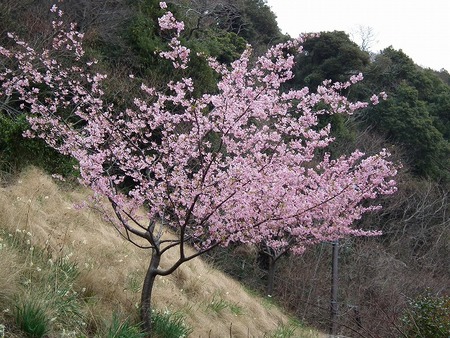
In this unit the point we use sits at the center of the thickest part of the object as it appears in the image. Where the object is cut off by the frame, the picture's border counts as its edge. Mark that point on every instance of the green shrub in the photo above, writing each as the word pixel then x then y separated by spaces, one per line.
pixel 17 152
pixel 427 316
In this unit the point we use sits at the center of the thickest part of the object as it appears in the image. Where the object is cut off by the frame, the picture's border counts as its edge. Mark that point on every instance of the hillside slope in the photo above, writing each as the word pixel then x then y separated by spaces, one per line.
pixel 111 270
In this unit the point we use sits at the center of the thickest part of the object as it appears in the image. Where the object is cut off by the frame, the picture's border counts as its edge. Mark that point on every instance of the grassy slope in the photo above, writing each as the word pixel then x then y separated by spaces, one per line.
pixel 111 270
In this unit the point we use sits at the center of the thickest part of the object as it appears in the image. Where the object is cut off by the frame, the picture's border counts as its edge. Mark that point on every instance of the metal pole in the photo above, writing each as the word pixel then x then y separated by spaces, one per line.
pixel 334 289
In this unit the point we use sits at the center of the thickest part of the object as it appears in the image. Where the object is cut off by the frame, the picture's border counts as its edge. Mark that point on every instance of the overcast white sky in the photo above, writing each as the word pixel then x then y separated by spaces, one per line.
pixel 421 28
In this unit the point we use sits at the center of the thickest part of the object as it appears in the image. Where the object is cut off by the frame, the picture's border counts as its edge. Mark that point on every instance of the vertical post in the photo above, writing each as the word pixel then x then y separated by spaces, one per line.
pixel 334 289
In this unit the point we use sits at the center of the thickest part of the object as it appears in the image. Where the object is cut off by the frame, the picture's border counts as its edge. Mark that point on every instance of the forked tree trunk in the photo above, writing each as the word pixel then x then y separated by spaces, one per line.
pixel 146 295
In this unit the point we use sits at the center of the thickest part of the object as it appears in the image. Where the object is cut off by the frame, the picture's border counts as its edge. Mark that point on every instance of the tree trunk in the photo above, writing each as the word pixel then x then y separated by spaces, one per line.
pixel 334 289
pixel 147 288
pixel 271 276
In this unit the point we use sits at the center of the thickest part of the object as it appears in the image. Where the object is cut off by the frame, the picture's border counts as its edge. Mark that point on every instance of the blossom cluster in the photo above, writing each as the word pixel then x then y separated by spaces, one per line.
pixel 237 165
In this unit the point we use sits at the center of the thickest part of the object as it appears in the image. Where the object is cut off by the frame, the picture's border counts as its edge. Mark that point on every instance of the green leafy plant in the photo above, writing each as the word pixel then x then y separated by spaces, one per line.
pixel 17 152
pixel 428 316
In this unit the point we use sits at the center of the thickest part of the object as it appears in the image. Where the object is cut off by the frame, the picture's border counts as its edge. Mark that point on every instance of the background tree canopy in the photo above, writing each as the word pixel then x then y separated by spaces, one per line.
pixel 332 56
pixel 416 115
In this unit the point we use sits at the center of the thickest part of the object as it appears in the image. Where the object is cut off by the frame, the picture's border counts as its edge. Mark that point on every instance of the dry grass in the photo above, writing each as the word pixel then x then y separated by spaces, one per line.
pixel 8 275
pixel 111 269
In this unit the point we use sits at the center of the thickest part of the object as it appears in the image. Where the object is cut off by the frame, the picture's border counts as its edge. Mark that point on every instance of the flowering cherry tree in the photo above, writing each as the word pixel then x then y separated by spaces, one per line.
pixel 241 164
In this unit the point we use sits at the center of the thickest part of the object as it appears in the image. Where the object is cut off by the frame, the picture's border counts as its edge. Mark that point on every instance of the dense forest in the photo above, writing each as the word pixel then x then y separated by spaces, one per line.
pixel 387 282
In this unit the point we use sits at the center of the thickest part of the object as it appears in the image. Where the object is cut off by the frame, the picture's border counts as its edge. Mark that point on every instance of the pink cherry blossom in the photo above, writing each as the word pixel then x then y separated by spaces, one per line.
pixel 237 165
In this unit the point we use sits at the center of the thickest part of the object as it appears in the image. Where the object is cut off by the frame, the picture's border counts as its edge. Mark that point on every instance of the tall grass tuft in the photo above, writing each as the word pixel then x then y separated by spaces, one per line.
pixel 31 319
pixel 291 329
pixel 64 302
pixel 123 329
pixel 166 324
pixel 284 331
pixel 42 291
pixel 217 305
